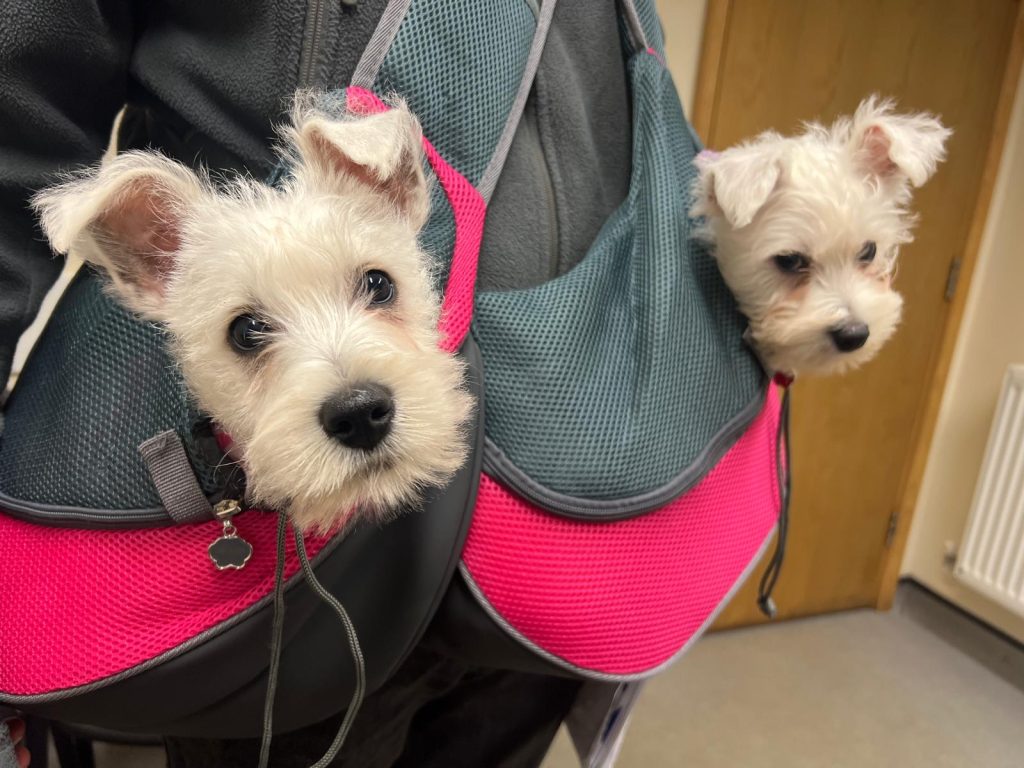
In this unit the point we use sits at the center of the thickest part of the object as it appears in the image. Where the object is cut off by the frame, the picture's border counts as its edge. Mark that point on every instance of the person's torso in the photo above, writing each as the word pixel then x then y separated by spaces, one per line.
pixel 209 81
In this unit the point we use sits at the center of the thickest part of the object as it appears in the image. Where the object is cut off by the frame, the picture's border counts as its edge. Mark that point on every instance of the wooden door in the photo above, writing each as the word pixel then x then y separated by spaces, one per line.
pixel 783 61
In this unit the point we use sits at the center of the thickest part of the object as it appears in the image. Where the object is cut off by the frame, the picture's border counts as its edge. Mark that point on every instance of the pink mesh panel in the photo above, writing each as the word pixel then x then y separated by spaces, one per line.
pixel 468 208
pixel 79 606
pixel 622 598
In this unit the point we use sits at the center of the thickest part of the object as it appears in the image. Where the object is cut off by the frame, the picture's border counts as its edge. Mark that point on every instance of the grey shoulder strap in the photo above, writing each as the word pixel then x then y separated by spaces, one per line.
pixel 379 45
pixel 489 179
pixel 175 481
pixel 383 38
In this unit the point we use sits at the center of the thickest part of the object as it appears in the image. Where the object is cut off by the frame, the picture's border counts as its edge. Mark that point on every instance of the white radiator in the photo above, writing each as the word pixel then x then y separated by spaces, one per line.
pixel 992 553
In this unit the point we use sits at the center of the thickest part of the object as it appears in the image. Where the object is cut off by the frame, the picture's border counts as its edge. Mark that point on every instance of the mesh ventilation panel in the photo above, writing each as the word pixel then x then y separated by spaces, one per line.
pixel 610 380
pixel 97 385
pixel 460 73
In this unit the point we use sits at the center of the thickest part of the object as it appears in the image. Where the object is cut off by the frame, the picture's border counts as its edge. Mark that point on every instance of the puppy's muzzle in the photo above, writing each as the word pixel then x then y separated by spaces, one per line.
pixel 849 337
pixel 360 418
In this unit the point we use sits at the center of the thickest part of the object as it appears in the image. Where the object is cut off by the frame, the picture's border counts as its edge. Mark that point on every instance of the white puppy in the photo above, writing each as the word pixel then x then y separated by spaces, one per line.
pixel 303 316
pixel 806 231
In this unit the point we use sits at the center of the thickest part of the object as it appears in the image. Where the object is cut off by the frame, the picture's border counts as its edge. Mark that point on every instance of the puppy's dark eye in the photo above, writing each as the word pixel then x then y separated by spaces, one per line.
pixel 248 333
pixel 378 287
pixel 867 253
pixel 792 263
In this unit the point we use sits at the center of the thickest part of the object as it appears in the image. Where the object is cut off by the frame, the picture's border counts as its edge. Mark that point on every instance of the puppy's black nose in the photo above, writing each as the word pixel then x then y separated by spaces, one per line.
pixel 359 418
pixel 849 337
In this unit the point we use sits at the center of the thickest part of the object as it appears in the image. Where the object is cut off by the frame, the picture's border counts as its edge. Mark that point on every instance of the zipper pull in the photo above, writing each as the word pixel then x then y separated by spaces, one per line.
pixel 230 550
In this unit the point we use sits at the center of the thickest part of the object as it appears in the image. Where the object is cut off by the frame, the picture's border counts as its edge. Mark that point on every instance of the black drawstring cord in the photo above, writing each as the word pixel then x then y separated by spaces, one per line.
pixel 275 645
pixel 275 649
pixel 782 464
pixel 357 654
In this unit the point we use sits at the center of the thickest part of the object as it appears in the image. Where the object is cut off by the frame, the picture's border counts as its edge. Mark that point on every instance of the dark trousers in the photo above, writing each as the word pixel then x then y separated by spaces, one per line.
pixel 436 712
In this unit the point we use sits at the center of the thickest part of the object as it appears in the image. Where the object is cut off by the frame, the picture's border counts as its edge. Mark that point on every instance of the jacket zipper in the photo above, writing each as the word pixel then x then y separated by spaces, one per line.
pixel 554 249
pixel 311 42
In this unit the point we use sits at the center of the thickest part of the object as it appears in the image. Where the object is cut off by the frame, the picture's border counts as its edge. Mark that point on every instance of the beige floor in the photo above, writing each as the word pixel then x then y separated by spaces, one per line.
pixel 854 690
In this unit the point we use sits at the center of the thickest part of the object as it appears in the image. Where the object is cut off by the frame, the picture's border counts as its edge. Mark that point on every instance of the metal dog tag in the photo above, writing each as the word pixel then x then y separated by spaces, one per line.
pixel 230 550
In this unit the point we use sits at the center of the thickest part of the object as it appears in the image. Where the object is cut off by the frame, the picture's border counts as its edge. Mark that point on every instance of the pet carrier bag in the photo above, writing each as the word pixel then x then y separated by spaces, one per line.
pixel 623 482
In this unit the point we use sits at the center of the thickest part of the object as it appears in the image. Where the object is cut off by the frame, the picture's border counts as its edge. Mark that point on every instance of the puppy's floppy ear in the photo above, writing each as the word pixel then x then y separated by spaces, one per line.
pixel 382 152
pixel 736 183
pixel 897 147
pixel 127 217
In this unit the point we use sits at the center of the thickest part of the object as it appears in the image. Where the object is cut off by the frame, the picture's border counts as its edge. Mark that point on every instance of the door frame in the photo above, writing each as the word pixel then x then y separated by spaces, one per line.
pixel 716 28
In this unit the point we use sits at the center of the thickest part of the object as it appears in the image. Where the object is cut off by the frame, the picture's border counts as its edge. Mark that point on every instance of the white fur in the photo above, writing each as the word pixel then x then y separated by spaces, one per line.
pixel 193 257
pixel 823 193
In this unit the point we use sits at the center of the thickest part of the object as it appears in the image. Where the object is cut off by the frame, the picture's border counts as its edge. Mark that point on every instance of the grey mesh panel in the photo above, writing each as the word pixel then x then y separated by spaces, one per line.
pixel 98 384
pixel 609 381
pixel 460 73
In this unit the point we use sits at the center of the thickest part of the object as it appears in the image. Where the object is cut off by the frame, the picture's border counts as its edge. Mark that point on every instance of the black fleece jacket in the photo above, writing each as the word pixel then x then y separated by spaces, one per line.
pixel 206 82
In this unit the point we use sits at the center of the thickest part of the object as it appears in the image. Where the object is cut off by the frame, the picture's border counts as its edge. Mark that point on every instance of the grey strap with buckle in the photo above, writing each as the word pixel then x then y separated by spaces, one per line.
pixel 174 478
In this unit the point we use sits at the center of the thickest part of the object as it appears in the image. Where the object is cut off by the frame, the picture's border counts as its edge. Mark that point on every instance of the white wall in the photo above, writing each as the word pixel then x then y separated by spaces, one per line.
pixel 683 22
pixel 990 338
